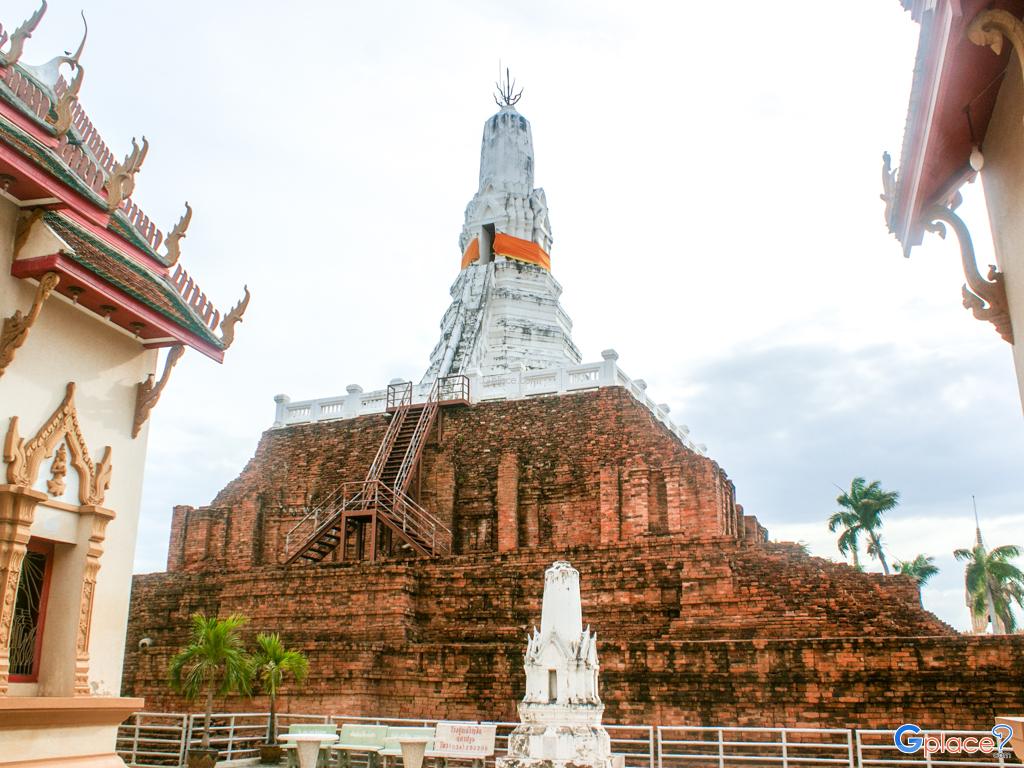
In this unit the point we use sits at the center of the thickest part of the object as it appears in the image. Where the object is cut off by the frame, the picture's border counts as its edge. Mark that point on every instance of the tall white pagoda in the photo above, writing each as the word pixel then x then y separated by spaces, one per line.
pixel 560 715
pixel 505 314
pixel 505 330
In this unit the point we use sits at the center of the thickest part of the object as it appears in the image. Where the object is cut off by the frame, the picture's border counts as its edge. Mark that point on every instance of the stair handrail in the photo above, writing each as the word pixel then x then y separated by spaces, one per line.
pixel 402 511
pixel 423 425
pixel 347 504
pixel 399 394
pixel 315 514
pixel 386 444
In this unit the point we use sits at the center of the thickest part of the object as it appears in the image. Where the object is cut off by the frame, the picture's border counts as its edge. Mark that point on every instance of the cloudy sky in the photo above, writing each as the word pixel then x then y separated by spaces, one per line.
pixel 713 177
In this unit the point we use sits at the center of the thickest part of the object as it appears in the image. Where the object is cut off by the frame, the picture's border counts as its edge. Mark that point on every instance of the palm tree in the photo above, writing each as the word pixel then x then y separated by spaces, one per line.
pixel 214 662
pixel 862 509
pixel 848 540
pixel 270 663
pixel 993 584
pixel 922 568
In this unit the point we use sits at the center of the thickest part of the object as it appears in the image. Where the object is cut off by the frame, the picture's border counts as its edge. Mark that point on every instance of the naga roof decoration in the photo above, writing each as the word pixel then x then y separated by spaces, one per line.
pixel 53 158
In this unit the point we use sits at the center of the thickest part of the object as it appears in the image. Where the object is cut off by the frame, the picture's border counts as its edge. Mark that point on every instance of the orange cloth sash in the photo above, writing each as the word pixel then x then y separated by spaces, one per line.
pixel 472 252
pixel 521 250
pixel 511 248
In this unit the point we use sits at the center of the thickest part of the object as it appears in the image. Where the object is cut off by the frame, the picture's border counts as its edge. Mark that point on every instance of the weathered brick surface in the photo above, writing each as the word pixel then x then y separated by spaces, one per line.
pixel 700 619
pixel 589 468
pixel 706 631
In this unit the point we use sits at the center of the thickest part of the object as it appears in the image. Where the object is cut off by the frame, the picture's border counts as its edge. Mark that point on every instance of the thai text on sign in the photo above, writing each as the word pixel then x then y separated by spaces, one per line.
pixel 464 740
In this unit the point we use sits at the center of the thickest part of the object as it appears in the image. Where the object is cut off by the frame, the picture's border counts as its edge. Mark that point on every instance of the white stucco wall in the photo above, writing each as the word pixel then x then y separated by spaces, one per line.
pixel 1003 179
pixel 70 344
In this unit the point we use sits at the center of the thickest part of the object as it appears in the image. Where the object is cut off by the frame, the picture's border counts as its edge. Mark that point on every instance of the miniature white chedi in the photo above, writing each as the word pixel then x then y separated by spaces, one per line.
pixel 560 715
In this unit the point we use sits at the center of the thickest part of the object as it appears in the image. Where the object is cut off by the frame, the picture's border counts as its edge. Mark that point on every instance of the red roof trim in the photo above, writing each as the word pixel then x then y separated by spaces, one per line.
pixel 950 75
pixel 54 187
pixel 40 265
pixel 103 233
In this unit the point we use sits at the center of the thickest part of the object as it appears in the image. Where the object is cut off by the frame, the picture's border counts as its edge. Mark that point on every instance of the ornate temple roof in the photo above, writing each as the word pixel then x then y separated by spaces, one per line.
pixel 952 98
pixel 78 217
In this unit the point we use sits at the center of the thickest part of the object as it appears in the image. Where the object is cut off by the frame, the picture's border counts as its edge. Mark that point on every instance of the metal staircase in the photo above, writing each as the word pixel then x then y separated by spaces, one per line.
pixel 382 497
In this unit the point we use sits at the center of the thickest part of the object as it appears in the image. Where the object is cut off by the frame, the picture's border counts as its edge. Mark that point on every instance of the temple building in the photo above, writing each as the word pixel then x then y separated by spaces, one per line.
pixel 90 292
pixel 412 518
pixel 964 120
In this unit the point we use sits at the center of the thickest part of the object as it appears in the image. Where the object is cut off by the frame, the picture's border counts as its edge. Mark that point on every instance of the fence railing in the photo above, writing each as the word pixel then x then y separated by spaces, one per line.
pixel 157 740
pixel 235 735
pixel 876 749
pixel 153 739
pixel 688 746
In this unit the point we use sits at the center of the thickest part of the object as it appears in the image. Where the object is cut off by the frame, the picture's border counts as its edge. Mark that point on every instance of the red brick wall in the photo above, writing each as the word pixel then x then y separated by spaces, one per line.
pixel 937 682
pixel 589 468
pixel 690 631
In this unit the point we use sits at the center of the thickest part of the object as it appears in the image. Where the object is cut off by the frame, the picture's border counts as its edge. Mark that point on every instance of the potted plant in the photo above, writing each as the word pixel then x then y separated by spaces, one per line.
pixel 214 663
pixel 271 663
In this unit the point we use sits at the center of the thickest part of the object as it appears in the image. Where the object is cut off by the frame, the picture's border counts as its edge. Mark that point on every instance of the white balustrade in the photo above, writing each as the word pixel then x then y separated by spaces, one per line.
pixel 509 385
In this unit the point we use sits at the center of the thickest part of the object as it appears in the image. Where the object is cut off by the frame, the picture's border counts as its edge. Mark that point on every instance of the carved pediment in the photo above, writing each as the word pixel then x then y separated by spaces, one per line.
pixel 25 458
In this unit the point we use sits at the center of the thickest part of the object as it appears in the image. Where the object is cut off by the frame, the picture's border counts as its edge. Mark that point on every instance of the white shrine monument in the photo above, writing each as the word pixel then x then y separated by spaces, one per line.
pixel 560 715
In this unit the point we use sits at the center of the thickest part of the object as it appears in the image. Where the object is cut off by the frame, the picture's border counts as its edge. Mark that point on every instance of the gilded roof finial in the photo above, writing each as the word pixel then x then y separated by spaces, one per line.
pixel 173 240
pixel 121 182
pixel 48 74
pixel 20 35
pixel 81 46
pixel 506 96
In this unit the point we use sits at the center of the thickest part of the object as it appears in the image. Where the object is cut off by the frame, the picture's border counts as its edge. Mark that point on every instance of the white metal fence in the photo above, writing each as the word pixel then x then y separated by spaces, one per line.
pixel 153 739
pixel 875 749
pixel 720 747
pixel 159 740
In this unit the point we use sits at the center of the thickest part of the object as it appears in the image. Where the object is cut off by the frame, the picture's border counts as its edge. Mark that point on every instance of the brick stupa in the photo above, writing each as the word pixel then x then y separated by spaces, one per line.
pixel 413 523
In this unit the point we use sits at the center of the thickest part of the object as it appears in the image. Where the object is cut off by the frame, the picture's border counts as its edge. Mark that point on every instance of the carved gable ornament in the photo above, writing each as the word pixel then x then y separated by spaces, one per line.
pixel 25 458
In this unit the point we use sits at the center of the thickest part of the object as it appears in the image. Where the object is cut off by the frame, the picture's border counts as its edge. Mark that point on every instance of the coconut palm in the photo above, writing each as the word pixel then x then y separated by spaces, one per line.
pixel 214 663
pixel 993 584
pixel 862 509
pixel 922 568
pixel 270 664
pixel 848 542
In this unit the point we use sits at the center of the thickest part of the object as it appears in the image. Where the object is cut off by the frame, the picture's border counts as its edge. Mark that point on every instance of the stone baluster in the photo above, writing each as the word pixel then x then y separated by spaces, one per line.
pixel 281 410
pixel 514 388
pixel 475 380
pixel 353 402
pixel 610 356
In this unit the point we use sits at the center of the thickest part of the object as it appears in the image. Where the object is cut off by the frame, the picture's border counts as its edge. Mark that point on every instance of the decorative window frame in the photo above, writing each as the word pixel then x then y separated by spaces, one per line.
pixel 18 501
pixel 46 548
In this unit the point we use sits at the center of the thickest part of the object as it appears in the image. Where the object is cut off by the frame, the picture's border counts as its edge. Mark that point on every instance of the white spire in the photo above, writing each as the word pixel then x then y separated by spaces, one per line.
pixel 505 313
pixel 506 154
pixel 562 613
pixel 505 200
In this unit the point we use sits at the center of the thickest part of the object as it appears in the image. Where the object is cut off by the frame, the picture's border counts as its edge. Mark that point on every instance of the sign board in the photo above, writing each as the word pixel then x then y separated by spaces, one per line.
pixel 464 740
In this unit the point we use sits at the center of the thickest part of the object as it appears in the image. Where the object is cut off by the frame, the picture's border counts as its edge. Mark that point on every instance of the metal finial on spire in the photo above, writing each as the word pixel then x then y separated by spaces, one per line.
pixel 506 96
